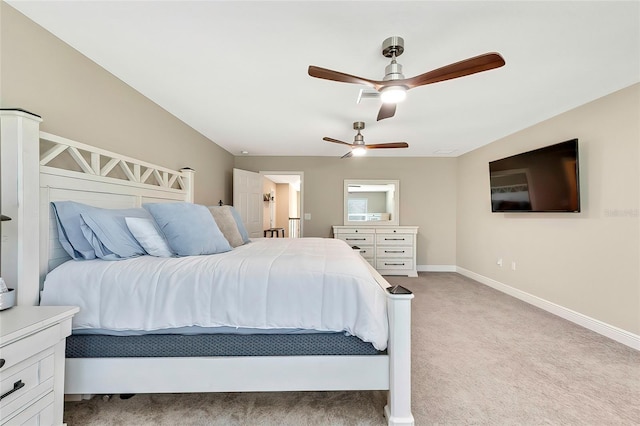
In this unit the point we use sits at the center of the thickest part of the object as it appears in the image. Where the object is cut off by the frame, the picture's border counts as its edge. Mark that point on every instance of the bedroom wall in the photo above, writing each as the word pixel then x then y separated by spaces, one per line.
pixel 80 100
pixel 588 262
pixel 427 195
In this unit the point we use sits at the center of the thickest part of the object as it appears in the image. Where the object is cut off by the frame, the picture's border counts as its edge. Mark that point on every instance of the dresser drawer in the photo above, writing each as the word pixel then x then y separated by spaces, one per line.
pixel 394 264
pixel 356 231
pixel 366 252
pixel 395 252
pixel 394 239
pixel 40 413
pixel 22 349
pixel 357 239
pixel 26 382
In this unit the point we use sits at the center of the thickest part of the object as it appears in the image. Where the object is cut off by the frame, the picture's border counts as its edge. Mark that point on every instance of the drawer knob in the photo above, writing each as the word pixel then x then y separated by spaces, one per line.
pixel 2 362
pixel 16 386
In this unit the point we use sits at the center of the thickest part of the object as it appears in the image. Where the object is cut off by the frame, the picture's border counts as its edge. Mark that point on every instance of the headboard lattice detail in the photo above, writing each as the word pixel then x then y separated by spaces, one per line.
pixel 100 163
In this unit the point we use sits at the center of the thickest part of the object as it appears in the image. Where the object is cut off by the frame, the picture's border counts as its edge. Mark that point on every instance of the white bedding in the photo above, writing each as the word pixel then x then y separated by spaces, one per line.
pixel 310 283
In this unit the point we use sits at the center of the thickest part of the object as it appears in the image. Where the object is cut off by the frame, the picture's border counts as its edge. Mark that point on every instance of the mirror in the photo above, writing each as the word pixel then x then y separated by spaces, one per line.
pixel 371 202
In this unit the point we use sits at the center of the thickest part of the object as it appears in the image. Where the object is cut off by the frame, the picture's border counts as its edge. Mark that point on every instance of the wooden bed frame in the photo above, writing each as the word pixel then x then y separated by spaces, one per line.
pixel 30 182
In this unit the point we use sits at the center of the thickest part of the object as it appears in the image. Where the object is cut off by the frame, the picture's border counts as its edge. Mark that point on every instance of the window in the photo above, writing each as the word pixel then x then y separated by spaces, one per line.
pixel 357 209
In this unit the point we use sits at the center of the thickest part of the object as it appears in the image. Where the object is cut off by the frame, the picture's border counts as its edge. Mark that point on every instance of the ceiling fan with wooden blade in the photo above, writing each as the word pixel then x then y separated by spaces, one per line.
pixel 393 87
pixel 358 147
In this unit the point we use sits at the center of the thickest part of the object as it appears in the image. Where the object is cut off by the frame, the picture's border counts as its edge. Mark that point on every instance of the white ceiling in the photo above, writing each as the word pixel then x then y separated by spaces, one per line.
pixel 236 71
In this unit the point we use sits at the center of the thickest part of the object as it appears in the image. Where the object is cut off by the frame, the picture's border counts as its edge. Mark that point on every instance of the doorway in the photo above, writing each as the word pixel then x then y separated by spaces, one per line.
pixel 283 201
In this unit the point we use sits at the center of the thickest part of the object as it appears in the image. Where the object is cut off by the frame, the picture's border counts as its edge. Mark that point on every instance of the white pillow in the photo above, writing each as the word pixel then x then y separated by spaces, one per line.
pixel 148 236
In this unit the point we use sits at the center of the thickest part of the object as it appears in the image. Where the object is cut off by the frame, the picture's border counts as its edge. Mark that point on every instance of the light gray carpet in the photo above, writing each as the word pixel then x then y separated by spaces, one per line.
pixel 479 357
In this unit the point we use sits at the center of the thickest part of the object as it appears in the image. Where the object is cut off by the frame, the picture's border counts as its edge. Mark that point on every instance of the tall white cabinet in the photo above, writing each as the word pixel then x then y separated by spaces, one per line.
pixel 389 249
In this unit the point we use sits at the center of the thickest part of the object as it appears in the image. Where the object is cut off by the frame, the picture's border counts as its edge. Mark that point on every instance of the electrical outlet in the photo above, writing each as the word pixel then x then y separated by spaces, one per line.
pixel 307 216
pixel 513 266
pixel 499 262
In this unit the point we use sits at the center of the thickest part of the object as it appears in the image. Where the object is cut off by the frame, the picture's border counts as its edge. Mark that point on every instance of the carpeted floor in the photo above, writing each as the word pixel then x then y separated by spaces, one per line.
pixel 479 357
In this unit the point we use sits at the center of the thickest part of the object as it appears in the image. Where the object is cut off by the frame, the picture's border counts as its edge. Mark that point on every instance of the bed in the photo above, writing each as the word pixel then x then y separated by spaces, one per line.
pixel 91 180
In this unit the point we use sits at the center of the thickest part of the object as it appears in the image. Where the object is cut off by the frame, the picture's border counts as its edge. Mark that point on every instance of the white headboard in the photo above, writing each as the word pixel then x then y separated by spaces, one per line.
pixel 70 170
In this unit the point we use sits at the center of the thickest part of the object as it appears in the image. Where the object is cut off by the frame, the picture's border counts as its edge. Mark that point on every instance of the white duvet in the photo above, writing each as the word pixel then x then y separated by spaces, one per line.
pixel 310 283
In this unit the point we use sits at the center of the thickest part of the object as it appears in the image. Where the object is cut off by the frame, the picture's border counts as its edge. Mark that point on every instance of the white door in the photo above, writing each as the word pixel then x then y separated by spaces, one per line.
pixel 247 199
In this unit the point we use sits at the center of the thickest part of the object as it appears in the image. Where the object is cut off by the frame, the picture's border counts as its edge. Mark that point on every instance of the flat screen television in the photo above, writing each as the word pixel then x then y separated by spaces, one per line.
pixel 542 180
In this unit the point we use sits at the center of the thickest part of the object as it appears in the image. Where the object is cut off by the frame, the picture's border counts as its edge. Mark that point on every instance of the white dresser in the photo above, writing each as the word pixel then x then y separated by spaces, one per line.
pixel 389 249
pixel 32 347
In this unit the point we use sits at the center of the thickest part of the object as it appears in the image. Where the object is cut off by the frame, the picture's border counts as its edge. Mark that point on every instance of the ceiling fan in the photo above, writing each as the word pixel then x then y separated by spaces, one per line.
pixel 358 147
pixel 393 87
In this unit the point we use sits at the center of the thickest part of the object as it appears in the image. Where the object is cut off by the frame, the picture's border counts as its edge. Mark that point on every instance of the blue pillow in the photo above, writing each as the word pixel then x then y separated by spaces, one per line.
pixel 189 228
pixel 108 233
pixel 241 228
pixel 68 221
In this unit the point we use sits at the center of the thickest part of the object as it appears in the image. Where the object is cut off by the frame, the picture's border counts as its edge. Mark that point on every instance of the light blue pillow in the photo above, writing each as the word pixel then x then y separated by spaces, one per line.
pixel 241 228
pixel 107 232
pixel 189 228
pixel 68 221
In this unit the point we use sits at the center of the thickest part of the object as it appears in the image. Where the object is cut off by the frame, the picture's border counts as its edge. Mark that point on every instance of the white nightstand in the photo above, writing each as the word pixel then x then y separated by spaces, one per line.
pixel 32 346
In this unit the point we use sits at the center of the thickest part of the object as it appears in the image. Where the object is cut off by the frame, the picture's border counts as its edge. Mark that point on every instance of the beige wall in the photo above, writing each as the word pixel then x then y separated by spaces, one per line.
pixel 80 100
pixel 427 195
pixel 588 262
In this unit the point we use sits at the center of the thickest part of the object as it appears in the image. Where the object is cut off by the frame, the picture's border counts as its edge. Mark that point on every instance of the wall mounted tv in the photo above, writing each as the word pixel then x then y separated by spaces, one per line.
pixel 542 180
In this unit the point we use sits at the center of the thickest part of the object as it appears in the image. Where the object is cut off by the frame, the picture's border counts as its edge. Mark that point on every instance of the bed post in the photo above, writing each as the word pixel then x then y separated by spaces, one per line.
pixel 188 176
pixel 20 160
pixel 398 409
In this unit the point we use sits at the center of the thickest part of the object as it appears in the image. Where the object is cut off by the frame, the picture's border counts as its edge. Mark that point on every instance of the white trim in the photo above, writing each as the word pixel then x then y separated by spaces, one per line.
pixel 625 337
pixel 436 268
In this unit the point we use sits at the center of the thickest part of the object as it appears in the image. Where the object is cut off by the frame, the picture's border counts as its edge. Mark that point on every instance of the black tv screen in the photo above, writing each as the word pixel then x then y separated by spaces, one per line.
pixel 542 180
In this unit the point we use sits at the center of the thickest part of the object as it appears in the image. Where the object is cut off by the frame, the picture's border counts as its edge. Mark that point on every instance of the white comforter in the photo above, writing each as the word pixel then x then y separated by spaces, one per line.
pixel 310 283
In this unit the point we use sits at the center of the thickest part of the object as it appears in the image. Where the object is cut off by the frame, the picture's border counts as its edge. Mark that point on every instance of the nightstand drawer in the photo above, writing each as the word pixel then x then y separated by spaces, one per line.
pixel 26 382
pixel 394 239
pixel 395 252
pixel 40 413
pixel 22 349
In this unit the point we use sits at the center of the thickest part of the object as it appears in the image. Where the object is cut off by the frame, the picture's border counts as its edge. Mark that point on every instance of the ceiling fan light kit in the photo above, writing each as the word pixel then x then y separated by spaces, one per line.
pixel 358 151
pixel 393 94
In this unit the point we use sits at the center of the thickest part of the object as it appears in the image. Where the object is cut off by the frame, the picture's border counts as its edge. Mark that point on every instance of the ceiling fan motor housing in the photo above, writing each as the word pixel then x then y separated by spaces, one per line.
pixel 393 46
pixel 358 139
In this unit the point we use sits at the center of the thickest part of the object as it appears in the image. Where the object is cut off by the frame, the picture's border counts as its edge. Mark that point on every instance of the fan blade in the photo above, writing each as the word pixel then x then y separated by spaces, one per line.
pixel 342 77
pixel 388 145
pixel 469 66
pixel 386 111
pixel 335 141
pixel 347 155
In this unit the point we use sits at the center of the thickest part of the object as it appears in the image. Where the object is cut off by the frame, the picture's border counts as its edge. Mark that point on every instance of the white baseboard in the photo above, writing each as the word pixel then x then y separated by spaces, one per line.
pixel 610 331
pixel 436 268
